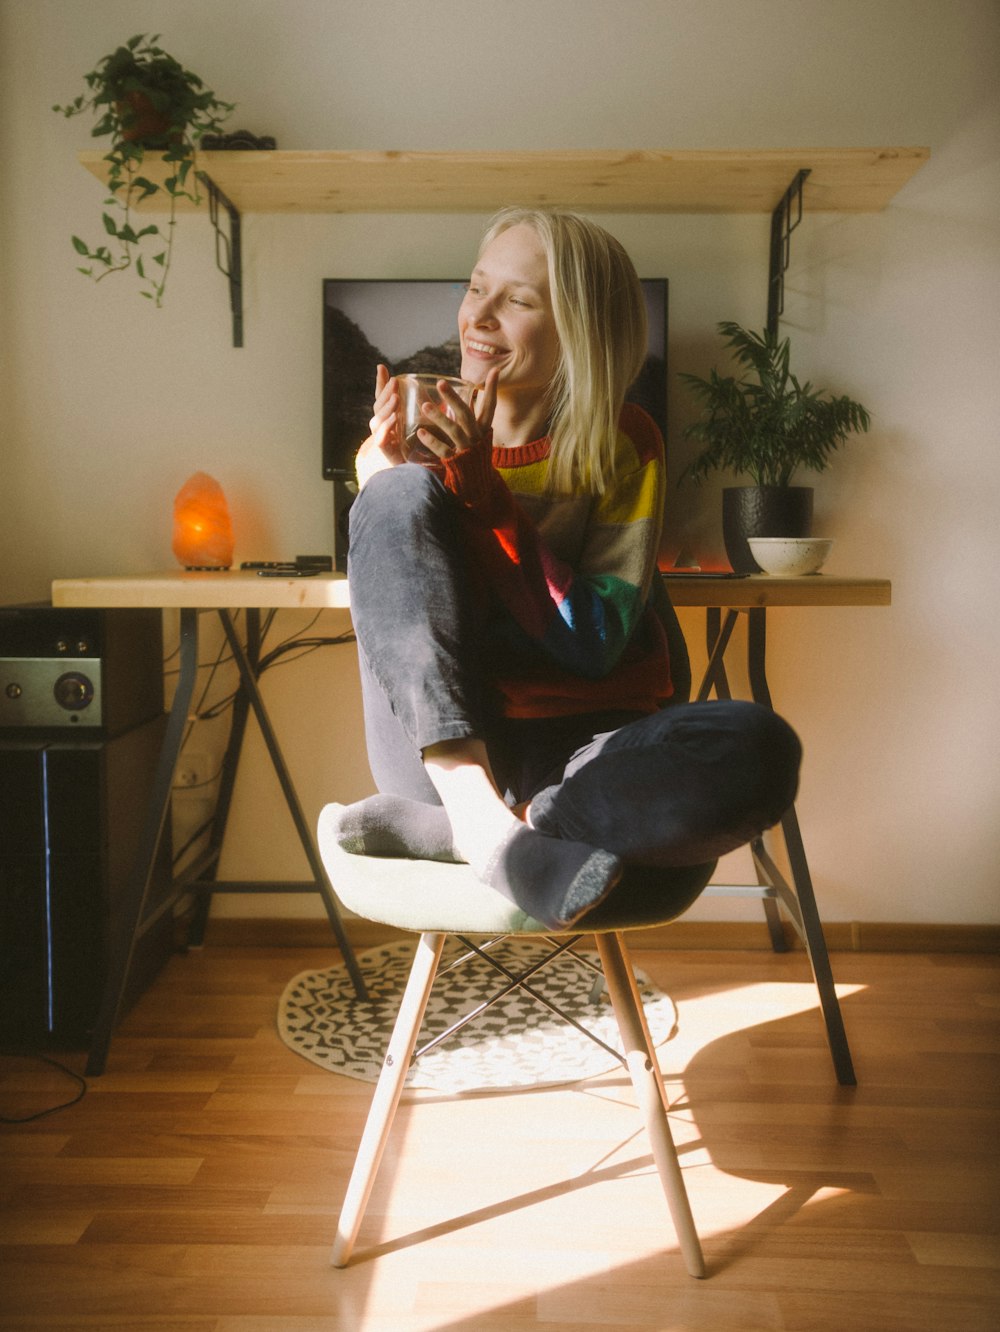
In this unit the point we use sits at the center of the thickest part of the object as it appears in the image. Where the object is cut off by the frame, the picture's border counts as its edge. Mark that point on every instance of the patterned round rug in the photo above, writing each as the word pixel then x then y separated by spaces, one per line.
pixel 516 1043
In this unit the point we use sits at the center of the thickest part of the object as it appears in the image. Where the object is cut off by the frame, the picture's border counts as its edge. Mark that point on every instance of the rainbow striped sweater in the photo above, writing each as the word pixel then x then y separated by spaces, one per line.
pixel 573 572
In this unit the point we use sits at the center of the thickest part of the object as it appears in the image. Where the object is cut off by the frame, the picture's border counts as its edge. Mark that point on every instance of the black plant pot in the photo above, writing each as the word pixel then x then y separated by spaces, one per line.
pixel 767 511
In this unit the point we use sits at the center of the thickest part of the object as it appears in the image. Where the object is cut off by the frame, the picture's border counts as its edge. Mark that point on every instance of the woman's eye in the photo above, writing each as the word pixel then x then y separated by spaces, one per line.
pixel 479 293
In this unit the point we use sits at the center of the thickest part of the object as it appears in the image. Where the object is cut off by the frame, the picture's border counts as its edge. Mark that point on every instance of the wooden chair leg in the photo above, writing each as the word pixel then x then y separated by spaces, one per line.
pixel 388 1090
pixel 650 1092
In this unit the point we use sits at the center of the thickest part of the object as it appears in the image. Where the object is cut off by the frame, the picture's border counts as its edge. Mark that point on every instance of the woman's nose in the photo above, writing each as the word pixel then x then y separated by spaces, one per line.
pixel 483 310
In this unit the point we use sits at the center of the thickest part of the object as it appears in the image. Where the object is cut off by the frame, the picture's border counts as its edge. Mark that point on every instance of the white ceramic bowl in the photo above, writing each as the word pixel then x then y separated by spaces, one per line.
pixel 790 557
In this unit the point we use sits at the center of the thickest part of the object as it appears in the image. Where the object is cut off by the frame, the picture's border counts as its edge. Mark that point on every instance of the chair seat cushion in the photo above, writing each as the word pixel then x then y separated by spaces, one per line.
pixel 442 897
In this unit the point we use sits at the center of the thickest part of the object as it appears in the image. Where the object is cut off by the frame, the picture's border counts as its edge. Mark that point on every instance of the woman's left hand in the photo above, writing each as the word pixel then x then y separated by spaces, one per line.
pixel 463 425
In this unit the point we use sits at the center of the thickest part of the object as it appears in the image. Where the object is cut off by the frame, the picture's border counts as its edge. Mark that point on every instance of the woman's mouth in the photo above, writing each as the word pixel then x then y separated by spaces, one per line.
pixel 481 348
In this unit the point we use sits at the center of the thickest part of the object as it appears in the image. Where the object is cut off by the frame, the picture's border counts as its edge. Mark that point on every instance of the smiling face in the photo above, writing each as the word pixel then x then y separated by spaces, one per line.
pixel 506 317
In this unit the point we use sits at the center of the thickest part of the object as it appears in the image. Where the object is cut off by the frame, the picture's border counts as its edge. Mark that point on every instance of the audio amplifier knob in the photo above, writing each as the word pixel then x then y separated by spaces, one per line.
pixel 73 691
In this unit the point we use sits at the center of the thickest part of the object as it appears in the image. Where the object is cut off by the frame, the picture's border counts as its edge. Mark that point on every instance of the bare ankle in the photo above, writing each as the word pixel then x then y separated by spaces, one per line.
pixel 461 775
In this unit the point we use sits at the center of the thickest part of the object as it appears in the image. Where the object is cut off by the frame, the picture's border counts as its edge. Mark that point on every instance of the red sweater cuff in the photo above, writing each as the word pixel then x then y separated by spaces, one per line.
pixel 469 475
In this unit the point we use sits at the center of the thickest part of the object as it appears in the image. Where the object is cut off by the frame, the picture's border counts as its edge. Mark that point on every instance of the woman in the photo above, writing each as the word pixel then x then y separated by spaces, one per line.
pixel 514 670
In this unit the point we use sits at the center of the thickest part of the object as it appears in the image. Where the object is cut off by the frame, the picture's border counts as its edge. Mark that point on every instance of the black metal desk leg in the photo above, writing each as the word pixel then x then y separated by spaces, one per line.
pixel 223 803
pixel 248 680
pixel 129 917
pixel 819 958
pixel 227 786
pixel 717 636
pixel 759 692
pixel 812 928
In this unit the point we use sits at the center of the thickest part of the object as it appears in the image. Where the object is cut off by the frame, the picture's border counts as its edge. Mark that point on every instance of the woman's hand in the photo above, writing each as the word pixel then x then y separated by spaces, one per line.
pixel 381 448
pixel 459 425
pixel 443 434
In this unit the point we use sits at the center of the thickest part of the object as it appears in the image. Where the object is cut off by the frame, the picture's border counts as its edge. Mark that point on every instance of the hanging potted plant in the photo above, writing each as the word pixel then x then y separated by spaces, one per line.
pixel 146 102
pixel 767 426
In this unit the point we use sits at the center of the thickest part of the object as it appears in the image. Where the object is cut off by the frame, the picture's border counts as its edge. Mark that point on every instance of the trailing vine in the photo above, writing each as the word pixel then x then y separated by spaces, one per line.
pixel 147 102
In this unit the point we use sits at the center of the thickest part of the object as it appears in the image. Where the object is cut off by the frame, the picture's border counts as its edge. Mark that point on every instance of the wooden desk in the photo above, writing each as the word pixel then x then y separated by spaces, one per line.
pixel 236 589
pixel 762 590
pixel 192 594
pixel 227 591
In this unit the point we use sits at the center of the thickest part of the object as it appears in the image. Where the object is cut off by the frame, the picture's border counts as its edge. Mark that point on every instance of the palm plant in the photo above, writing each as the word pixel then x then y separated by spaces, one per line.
pixel 767 426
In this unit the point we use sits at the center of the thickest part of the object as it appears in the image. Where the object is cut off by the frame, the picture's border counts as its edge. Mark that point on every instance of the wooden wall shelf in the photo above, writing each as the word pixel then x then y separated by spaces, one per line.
pixel 779 182
pixel 847 180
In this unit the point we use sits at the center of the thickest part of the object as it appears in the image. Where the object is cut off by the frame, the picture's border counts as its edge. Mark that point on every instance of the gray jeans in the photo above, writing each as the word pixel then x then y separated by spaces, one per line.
pixel 679 787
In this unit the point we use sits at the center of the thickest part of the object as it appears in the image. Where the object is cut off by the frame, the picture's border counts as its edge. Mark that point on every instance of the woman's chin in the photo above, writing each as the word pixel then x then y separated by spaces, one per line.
pixel 474 371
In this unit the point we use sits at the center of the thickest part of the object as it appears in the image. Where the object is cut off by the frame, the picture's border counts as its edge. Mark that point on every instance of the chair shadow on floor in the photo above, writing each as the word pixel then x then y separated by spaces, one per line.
pixel 700 1146
pixel 784 1168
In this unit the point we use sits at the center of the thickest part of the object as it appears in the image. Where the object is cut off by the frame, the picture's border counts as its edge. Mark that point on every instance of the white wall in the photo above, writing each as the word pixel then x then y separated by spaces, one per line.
pixel 109 404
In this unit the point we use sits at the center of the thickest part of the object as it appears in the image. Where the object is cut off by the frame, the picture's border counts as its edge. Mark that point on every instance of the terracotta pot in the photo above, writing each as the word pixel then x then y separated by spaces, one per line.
pixel 149 126
pixel 766 511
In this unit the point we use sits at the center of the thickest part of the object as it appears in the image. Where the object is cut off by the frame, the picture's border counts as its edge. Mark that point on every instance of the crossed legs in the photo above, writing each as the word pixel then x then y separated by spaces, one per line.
pixel 680 787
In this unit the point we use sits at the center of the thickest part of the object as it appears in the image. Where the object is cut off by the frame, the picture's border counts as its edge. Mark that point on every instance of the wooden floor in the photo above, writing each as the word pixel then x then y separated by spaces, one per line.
pixel 195 1187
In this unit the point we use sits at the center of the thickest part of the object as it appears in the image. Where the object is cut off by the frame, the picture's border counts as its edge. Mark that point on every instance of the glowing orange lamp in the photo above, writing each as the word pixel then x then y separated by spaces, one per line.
pixel 203 532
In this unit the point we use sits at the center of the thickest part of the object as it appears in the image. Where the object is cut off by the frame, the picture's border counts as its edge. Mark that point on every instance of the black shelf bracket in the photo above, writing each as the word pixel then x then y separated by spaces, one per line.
pixel 785 218
pixel 228 250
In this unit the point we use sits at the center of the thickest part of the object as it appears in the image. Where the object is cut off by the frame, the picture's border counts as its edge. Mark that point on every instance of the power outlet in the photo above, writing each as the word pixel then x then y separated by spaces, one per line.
pixel 191 771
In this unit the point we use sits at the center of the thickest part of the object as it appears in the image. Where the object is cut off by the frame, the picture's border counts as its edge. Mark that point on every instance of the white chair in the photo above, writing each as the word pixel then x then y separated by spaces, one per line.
pixel 436 899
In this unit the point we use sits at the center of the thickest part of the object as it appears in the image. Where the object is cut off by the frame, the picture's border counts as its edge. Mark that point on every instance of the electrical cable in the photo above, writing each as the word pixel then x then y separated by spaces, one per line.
pixel 178 856
pixel 295 644
pixel 302 648
pixel 63 1105
pixel 199 712
pixel 307 645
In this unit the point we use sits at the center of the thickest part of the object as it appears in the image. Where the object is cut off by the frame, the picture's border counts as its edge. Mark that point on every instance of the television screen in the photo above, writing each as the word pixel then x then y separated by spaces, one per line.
pixel 411 326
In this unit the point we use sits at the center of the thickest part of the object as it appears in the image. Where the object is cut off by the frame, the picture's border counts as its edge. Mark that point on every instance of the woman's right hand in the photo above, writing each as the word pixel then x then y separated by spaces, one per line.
pixel 381 449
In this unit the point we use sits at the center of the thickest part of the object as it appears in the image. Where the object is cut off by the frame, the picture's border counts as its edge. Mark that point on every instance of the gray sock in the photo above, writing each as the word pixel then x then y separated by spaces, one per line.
pixel 553 880
pixel 390 825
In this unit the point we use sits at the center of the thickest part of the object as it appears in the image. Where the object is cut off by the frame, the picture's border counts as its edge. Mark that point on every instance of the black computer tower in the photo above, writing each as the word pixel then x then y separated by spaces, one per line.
pixel 73 798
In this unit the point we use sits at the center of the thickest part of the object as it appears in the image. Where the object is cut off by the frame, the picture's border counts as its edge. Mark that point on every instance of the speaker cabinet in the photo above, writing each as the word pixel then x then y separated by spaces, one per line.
pixel 74 789
pixel 70 819
pixel 77 669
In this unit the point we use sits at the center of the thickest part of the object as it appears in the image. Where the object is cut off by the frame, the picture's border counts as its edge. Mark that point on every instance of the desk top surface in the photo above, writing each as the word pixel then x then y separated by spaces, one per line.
pixel 762 590
pixel 232 589
pixel 225 589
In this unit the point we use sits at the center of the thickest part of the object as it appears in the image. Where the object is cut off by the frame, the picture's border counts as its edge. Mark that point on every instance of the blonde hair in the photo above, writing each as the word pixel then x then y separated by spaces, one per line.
pixel 600 318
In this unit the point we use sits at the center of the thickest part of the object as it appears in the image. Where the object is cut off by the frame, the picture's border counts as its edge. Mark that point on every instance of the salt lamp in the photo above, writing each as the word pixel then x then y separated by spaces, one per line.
pixel 203 533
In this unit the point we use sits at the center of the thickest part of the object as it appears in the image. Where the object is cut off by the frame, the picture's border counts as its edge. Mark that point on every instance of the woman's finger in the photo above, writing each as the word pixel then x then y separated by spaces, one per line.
pixel 486 400
pixel 440 433
pixel 466 422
